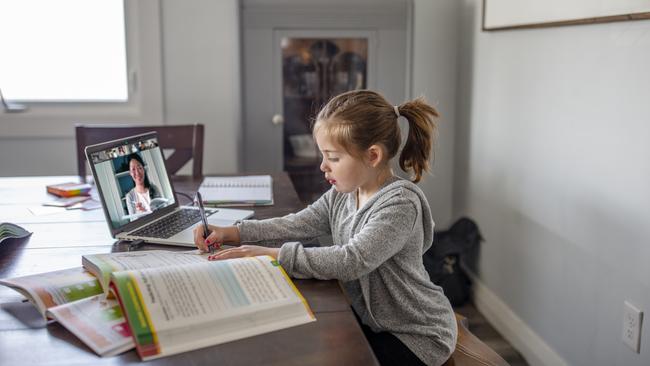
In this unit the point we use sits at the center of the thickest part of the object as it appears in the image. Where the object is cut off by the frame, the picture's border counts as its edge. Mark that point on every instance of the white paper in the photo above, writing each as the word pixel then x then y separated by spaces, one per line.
pixel 253 189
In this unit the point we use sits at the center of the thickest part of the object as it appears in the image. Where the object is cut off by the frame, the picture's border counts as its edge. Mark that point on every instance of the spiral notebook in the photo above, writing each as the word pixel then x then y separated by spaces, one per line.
pixel 250 190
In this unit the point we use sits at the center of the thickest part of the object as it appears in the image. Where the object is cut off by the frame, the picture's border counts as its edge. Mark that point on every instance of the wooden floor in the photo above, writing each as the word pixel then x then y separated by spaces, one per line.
pixel 485 332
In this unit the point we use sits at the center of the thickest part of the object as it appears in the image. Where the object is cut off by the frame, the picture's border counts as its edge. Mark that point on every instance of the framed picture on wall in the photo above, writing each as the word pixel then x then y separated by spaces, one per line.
pixel 516 14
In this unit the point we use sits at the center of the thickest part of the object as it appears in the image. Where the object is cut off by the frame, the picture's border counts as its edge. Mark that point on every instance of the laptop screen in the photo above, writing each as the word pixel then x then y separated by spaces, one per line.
pixel 133 180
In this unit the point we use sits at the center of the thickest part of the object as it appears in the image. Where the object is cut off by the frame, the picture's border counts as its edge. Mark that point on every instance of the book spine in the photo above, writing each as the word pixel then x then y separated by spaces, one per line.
pixel 67 193
pixel 136 313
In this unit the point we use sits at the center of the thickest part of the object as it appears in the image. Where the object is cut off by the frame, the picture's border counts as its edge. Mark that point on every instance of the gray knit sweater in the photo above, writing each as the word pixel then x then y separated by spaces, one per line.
pixel 377 255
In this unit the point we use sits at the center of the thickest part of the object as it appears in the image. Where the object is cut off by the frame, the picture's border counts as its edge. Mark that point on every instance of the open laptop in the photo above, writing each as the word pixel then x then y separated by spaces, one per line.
pixel 154 215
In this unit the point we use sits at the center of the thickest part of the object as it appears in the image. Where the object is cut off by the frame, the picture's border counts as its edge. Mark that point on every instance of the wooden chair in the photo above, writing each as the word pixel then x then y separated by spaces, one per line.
pixel 185 140
pixel 471 351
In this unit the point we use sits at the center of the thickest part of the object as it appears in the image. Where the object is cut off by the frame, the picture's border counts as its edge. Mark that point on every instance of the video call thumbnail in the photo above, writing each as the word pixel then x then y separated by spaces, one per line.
pixel 133 180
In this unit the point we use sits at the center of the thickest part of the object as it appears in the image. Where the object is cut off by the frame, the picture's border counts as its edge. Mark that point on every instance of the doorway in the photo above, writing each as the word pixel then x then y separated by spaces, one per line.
pixel 299 54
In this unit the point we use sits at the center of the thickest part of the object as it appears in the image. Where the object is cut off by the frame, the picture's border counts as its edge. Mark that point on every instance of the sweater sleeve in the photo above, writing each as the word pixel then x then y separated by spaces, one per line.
pixel 383 235
pixel 311 222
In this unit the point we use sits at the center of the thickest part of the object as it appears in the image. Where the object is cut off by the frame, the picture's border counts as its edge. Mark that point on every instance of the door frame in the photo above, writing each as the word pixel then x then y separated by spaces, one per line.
pixel 293 15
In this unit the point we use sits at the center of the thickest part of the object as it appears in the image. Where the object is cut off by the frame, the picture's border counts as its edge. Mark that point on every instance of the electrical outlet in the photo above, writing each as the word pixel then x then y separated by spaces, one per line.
pixel 632 321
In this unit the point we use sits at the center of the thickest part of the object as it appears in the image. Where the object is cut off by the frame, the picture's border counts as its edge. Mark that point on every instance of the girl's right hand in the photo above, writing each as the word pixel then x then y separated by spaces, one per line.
pixel 218 236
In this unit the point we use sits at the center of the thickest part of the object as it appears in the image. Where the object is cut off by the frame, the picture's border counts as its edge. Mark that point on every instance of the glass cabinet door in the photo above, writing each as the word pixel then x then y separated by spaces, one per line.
pixel 313 71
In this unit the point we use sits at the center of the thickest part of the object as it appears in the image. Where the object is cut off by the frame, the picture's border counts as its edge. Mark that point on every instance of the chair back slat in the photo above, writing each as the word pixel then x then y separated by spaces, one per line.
pixel 177 159
pixel 185 140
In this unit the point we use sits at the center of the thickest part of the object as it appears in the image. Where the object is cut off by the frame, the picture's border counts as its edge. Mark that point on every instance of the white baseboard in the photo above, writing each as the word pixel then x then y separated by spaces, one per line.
pixel 512 328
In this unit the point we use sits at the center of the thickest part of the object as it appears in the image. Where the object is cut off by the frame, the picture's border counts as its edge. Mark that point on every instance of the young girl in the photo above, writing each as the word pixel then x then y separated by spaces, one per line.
pixel 380 225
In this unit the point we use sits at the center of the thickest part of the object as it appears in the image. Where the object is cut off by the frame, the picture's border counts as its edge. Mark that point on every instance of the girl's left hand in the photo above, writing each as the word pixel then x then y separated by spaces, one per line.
pixel 244 251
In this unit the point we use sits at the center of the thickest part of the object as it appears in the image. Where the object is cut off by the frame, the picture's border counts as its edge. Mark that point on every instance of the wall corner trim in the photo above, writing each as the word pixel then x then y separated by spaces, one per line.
pixel 534 349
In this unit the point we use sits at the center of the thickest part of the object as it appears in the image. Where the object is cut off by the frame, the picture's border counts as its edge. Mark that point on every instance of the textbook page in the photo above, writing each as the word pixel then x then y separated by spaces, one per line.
pixel 176 309
pixel 102 265
pixel 46 290
pixel 242 190
pixel 98 322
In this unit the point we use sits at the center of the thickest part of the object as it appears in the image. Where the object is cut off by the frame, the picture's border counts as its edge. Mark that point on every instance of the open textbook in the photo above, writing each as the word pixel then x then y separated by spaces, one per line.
pixel 169 302
pixel 102 265
pixel 181 302
pixel 75 299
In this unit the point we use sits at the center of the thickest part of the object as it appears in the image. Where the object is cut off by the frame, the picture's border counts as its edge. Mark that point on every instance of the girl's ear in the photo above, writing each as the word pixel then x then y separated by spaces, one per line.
pixel 375 155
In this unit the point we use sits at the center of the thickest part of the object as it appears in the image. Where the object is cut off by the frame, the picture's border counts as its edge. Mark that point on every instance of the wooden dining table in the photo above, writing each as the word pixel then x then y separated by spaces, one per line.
pixel 61 236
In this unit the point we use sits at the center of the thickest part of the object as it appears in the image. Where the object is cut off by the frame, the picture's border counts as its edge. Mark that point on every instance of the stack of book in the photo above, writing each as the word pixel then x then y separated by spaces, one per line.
pixel 70 189
pixel 150 300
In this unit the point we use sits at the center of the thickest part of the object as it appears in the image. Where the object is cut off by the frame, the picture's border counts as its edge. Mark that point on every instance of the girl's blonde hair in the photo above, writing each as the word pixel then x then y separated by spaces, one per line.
pixel 359 119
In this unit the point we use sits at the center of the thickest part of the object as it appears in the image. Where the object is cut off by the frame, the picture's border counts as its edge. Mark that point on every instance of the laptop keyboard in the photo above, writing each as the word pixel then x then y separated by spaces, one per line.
pixel 170 225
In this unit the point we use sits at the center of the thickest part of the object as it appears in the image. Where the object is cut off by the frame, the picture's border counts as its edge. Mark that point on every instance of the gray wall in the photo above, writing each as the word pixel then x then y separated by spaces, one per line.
pixel 552 161
pixel 201 75
pixel 25 156
pixel 435 43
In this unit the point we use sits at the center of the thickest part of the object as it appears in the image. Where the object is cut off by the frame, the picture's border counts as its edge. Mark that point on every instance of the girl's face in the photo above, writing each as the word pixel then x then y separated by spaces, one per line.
pixel 137 171
pixel 344 171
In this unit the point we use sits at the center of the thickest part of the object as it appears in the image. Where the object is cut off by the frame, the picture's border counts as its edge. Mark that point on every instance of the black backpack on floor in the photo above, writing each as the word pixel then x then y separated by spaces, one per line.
pixel 442 260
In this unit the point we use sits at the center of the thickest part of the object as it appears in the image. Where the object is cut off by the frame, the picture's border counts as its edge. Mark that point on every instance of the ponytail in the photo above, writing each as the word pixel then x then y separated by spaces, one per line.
pixel 358 119
pixel 422 127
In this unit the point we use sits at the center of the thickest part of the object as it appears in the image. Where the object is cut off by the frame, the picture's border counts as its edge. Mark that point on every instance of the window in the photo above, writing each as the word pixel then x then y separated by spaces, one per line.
pixel 79 61
pixel 63 51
